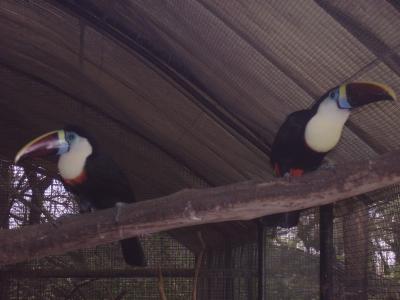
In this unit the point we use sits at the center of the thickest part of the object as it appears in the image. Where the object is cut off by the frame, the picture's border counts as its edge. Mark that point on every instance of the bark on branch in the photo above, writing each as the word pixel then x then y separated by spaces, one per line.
pixel 241 201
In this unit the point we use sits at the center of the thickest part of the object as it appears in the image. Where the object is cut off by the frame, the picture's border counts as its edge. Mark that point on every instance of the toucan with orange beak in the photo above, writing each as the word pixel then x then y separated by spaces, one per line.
pixel 308 135
pixel 92 176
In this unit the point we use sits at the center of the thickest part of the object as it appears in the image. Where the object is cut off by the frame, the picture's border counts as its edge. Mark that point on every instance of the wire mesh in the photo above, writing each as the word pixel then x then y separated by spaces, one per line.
pixel 292 260
pixel 366 243
pixel 28 197
pixel 367 246
pixel 229 273
pixel 255 62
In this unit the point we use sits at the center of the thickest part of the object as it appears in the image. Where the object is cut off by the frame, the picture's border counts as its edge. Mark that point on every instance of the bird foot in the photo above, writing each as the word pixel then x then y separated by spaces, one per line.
pixel 328 166
pixel 287 177
pixel 119 206
pixel 57 222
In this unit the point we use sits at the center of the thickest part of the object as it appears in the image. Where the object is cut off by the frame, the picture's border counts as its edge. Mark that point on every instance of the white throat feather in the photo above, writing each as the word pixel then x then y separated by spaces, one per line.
pixel 324 129
pixel 72 163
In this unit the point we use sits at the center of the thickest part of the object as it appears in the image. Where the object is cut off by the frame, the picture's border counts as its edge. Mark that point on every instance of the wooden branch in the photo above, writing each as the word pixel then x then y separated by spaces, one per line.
pixel 241 201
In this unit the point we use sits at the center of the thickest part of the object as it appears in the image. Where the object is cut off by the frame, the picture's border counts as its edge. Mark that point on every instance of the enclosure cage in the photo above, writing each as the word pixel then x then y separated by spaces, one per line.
pixel 365 241
pixel 190 95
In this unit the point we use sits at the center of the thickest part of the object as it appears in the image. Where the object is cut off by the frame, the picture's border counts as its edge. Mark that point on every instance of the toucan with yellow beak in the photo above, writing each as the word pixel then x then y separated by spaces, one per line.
pixel 92 176
pixel 308 135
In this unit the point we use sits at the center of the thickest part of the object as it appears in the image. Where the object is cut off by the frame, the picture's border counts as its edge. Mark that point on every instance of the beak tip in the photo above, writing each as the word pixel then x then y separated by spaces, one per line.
pixel 387 90
pixel 17 158
pixel 45 144
pixel 391 93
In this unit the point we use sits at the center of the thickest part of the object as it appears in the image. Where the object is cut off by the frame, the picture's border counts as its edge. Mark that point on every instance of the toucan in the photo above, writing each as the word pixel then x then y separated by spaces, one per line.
pixel 306 136
pixel 93 176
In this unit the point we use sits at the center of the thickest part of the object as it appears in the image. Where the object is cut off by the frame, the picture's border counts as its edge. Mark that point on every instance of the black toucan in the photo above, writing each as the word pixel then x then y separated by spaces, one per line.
pixel 307 136
pixel 93 177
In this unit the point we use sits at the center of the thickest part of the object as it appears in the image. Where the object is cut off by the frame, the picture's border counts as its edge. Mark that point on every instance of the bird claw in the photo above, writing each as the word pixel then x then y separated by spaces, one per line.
pixel 328 166
pixel 118 205
pixel 287 177
pixel 57 222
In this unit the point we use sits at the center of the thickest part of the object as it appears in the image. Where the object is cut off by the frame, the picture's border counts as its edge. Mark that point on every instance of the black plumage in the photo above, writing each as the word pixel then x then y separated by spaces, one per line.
pixel 290 152
pixel 289 149
pixel 103 187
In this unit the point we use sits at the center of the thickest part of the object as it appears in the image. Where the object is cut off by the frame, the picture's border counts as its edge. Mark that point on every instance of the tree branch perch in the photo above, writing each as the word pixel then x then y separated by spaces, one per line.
pixel 241 201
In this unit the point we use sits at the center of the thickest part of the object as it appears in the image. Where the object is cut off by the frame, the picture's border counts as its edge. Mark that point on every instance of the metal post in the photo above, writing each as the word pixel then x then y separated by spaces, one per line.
pixel 326 252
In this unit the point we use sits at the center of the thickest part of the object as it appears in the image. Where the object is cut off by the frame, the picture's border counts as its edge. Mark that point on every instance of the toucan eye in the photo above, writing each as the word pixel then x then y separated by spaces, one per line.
pixel 334 94
pixel 70 136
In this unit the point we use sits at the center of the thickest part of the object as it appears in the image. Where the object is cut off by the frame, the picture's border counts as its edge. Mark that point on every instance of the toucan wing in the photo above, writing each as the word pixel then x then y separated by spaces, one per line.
pixel 289 139
pixel 105 183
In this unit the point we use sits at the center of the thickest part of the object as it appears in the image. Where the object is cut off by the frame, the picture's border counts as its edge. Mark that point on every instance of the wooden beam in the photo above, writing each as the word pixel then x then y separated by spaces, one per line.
pixel 241 201
pixel 73 273
pixel 123 273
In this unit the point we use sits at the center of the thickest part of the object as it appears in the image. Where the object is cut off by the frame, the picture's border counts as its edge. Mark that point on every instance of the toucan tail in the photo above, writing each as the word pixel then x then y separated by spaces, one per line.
pixel 133 252
pixel 285 220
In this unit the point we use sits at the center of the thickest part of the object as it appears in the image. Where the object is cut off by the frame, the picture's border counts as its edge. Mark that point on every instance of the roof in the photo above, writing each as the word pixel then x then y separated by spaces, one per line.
pixel 189 94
